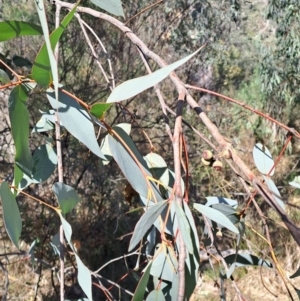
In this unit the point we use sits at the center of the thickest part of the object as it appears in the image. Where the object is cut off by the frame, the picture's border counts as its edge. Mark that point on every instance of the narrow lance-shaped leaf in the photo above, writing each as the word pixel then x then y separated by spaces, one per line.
pixel 141 288
pixel 84 276
pixel 145 222
pixel 216 216
pixel 45 61
pixel 133 165
pixel 135 86
pixel 12 29
pixel 98 109
pixel 184 227
pixel 19 118
pixel 11 214
pixel 263 159
pixel 76 120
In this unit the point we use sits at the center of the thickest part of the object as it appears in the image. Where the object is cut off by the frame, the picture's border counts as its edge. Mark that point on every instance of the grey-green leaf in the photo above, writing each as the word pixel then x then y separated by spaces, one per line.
pixel 112 6
pixel 184 227
pixel 216 216
pixel 66 196
pixel 156 295
pixel 136 171
pixel 11 214
pixel 263 159
pixel 84 276
pixel 135 86
pixel 145 222
pixel 275 192
pixel 296 274
pixel 76 120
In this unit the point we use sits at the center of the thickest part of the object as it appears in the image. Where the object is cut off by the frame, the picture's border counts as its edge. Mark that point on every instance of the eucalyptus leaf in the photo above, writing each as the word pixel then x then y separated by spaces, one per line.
pixel 156 295
pixel 13 29
pixel 11 214
pixel 142 285
pixel 217 217
pixel 263 159
pixel 71 114
pixel 135 86
pixel 145 222
pixel 44 69
pixel 112 6
pixel 184 227
pixel 19 119
pixel 66 196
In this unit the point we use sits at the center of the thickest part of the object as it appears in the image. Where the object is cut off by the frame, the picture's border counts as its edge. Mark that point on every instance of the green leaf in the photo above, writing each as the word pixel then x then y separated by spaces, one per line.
pixel 184 227
pixel 98 110
pixel 84 275
pixel 135 86
pixel 263 159
pixel 145 222
pixel 141 288
pixel 112 6
pixel 216 216
pixel 44 66
pixel 19 119
pixel 4 78
pixel 156 295
pixel 67 197
pixel 11 214
pixel 76 120
pixel 12 29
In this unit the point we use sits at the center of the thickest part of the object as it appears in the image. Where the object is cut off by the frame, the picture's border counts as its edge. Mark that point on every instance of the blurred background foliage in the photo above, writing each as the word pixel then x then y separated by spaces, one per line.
pixel 252 54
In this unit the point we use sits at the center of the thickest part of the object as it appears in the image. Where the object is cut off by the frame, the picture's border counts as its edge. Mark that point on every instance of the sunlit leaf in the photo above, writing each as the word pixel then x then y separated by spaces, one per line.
pixel 44 67
pixel 12 29
pixel 67 197
pixel 145 223
pixel 112 6
pixel 135 86
pixel 216 216
pixel 84 275
pixel 76 120
pixel 274 190
pixel 11 214
pixel 184 227
pixel 99 109
pixel 164 263
pixel 263 159
pixel 156 295
pixel 141 287
pixel 104 147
